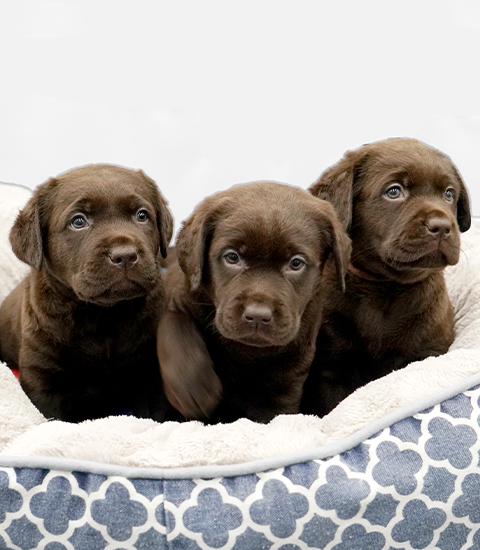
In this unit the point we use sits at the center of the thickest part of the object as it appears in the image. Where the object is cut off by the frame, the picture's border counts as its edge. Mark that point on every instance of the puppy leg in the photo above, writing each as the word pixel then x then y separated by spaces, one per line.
pixel 34 383
pixel 189 379
pixel 10 327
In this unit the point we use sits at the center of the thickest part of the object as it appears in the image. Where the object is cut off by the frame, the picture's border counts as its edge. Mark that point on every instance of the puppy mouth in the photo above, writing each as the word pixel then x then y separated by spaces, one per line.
pixel 257 338
pixel 434 261
pixel 434 255
pixel 111 293
pixel 257 342
pixel 256 322
pixel 112 296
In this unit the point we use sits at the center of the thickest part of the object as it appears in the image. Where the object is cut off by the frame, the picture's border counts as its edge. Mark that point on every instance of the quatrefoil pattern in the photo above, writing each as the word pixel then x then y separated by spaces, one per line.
pixel 414 485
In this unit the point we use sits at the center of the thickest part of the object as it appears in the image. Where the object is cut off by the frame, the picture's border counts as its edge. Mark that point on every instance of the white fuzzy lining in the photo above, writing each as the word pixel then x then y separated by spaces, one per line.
pixel 130 441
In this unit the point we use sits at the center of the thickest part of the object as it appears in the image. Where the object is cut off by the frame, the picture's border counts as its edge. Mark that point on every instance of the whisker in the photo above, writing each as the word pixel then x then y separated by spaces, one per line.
pixel 211 325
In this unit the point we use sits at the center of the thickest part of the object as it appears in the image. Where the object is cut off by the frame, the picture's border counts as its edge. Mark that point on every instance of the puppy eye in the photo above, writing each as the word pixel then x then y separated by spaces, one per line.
pixel 142 215
pixel 231 258
pixel 394 192
pixel 449 194
pixel 79 222
pixel 296 264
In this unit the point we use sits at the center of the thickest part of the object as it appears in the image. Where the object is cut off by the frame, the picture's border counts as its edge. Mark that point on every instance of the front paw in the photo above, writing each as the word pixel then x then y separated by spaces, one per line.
pixel 189 379
pixel 192 386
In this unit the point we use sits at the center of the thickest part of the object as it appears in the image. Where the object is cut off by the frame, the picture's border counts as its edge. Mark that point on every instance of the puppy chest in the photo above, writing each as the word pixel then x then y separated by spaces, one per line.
pixel 389 324
pixel 111 339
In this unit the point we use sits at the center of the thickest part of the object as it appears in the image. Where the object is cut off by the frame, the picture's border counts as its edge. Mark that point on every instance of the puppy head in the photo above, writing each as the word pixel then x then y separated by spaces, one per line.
pixel 403 203
pixel 258 250
pixel 98 229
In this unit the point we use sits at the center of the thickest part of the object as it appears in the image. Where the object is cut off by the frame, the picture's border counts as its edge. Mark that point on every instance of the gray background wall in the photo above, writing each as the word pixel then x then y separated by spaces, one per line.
pixel 205 94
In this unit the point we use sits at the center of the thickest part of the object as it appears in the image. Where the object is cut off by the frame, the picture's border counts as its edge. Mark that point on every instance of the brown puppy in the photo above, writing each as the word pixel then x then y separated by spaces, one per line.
pixel 244 313
pixel 81 327
pixel 403 204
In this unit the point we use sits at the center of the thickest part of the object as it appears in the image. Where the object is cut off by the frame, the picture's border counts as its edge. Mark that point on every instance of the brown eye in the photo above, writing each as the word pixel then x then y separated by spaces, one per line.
pixel 449 194
pixel 79 222
pixel 231 257
pixel 142 215
pixel 296 264
pixel 394 192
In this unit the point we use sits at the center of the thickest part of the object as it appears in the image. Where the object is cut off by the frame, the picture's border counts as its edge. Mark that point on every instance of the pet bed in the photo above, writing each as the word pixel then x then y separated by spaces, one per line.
pixel 395 466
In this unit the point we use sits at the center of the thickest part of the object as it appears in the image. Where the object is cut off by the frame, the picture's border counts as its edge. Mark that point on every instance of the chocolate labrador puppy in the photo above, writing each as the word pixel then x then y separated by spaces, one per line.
pixel 82 326
pixel 246 301
pixel 404 205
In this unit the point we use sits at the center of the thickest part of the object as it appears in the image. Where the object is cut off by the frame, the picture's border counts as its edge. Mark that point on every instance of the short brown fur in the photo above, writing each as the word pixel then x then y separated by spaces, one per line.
pixel 81 327
pixel 239 332
pixel 396 308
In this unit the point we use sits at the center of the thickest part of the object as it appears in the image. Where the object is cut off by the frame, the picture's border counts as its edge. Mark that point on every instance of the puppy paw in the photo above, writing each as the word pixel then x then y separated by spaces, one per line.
pixel 193 388
pixel 189 379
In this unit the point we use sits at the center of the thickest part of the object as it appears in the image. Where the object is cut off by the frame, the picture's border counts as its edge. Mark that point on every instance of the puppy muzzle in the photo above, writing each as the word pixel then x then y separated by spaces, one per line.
pixel 257 323
pixel 120 272
pixel 429 240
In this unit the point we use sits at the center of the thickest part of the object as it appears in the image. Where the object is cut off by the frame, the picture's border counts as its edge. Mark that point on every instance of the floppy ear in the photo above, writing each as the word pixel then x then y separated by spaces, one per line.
pixel 164 216
pixel 339 242
pixel 194 237
pixel 335 185
pixel 27 234
pixel 464 218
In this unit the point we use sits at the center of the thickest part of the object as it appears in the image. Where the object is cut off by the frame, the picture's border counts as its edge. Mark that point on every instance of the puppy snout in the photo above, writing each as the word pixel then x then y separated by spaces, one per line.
pixel 123 257
pixel 258 315
pixel 440 228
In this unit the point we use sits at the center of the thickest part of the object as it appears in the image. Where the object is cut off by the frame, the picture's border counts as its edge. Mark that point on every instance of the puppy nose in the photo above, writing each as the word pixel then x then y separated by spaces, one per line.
pixel 440 228
pixel 257 314
pixel 123 257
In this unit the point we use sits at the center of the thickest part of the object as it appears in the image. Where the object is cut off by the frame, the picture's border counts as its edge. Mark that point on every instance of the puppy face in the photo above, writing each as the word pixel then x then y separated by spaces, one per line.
pixel 259 250
pixel 99 230
pixel 404 204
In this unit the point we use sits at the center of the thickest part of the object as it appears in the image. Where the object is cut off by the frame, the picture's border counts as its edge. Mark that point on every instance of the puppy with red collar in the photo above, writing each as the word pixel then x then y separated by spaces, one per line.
pixel 404 205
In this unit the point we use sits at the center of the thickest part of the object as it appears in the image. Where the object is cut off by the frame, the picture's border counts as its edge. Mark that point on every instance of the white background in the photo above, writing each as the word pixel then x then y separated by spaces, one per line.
pixel 202 94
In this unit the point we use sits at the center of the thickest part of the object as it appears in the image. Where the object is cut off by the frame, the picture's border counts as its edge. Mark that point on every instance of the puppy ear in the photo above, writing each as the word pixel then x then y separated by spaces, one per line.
pixel 27 234
pixel 335 185
pixel 194 237
pixel 165 225
pixel 464 218
pixel 164 216
pixel 339 243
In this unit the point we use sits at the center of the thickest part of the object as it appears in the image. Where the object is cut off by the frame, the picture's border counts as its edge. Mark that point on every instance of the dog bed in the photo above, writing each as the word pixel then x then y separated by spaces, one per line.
pixel 394 466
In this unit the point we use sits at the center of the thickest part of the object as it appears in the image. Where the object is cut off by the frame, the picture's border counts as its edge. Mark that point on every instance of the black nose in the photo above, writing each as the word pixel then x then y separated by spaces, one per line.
pixel 440 228
pixel 123 257
pixel 257 314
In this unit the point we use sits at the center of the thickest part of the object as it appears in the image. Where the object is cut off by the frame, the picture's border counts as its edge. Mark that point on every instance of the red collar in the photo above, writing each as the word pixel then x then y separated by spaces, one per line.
pixel 364 274
pixel 377 278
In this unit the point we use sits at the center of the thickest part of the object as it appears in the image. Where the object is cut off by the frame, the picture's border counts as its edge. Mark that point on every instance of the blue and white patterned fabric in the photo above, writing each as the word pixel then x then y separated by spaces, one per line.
pixel 412 485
